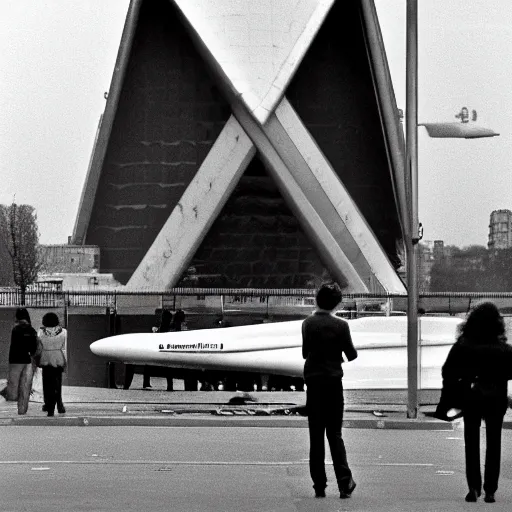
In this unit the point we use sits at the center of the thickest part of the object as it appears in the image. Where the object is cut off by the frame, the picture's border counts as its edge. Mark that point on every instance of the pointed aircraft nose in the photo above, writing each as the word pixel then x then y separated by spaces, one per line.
pixel 127 347
pixel 105 347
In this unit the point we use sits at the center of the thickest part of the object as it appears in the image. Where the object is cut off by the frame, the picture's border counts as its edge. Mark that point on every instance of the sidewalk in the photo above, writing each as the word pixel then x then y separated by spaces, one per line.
pixel 157 407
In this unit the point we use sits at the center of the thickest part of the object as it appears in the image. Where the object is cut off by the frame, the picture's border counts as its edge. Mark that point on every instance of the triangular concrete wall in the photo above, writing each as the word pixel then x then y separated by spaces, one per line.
pixel 170 160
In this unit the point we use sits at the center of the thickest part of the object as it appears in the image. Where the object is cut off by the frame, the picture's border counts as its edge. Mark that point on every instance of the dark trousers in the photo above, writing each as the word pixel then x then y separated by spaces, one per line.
pixel 146 380
pixel 325 416
pixel 129 371
pixel 52 388
pixel 169 378
pixel 146 377
pixel 493 417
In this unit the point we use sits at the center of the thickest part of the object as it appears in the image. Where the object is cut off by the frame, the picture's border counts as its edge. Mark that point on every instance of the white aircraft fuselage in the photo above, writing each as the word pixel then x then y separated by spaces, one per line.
pixel 276 348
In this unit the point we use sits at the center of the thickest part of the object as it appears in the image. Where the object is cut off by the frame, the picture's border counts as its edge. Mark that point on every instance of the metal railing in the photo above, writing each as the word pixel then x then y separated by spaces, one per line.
pixel 249 299
pixel 48 299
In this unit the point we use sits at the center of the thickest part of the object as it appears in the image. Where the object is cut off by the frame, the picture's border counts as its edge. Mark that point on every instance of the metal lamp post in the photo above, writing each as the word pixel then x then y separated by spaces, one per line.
pixel 411 180
pixel 437 130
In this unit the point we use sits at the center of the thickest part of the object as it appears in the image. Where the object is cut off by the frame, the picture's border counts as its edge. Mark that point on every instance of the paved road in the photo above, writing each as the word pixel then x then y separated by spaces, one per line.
pixel 228 469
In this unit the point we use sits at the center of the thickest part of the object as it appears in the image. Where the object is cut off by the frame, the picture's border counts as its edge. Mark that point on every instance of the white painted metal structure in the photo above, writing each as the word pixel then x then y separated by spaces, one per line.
pixel 276 349
pixel 254 49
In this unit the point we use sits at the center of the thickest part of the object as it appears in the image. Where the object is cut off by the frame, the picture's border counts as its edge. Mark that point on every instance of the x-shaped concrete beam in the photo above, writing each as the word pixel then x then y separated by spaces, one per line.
pixel 307 181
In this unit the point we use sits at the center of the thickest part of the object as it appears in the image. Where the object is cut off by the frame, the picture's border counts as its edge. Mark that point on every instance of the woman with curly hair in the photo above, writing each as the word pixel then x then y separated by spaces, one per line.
pixel 53 361
pixel 481 361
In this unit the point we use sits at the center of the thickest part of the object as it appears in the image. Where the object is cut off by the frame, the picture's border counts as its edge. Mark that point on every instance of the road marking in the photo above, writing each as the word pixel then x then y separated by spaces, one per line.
pixel 406 464
pixel 159 462
pixel 200 463
pixel 40 469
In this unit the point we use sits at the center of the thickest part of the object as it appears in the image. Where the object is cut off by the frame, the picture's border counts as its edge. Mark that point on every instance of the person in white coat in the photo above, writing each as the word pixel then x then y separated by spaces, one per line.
pixel 53 361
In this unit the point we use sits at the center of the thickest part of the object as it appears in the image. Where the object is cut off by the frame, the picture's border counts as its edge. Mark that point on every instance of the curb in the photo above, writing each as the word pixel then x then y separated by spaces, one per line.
pixel 262 422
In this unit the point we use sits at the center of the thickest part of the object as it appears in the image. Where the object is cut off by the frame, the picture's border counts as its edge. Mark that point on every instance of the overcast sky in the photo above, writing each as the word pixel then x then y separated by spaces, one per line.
pixel 57 57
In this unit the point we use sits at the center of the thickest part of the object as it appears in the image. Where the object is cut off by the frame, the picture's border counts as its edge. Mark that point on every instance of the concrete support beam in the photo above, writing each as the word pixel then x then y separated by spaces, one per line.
pixel 257 51
pixel 202 201
pixel 330 198
pixel 311 221
pixel 392 128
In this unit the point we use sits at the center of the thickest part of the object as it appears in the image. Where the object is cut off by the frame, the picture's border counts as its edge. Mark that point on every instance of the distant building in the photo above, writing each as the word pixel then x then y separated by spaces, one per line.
pixel 448 254
pixel 73 267
pixel 85 281
pixel 439 254
pixel 426 259
pixel 500 230
pixel 70 259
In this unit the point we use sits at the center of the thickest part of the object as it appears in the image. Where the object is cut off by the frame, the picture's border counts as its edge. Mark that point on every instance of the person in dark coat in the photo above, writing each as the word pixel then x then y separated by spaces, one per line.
pixel 325 338
pixel 178 321
pixel 481 359
pixel 21 370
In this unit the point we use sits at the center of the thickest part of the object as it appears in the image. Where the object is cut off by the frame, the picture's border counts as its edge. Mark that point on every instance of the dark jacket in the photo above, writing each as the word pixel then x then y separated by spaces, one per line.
pixel 484 369
pixel 325 338
pixel 23 343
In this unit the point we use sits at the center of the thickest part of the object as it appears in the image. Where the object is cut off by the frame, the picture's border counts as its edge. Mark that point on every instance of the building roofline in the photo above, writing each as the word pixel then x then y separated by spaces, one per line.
pixel 105 127
pixel 386 101
pixel 89 246
pixel 502 211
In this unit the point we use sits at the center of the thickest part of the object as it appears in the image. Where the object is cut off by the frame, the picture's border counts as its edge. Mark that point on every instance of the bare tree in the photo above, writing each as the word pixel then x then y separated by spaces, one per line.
pixel 5 263
pixel 18 228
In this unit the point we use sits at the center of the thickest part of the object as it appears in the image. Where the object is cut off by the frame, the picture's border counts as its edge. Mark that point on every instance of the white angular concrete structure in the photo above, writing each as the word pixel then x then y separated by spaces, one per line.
pixel 253 51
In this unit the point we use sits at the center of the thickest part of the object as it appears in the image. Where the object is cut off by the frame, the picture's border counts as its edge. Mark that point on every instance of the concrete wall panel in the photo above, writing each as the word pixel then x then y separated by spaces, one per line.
pixel 169 115
pixel 334 95
pixel 242 246
pixel 86 369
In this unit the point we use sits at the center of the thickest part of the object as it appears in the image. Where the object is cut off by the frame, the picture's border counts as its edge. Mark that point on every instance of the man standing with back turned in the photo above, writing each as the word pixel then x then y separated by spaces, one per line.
pixel 325 338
